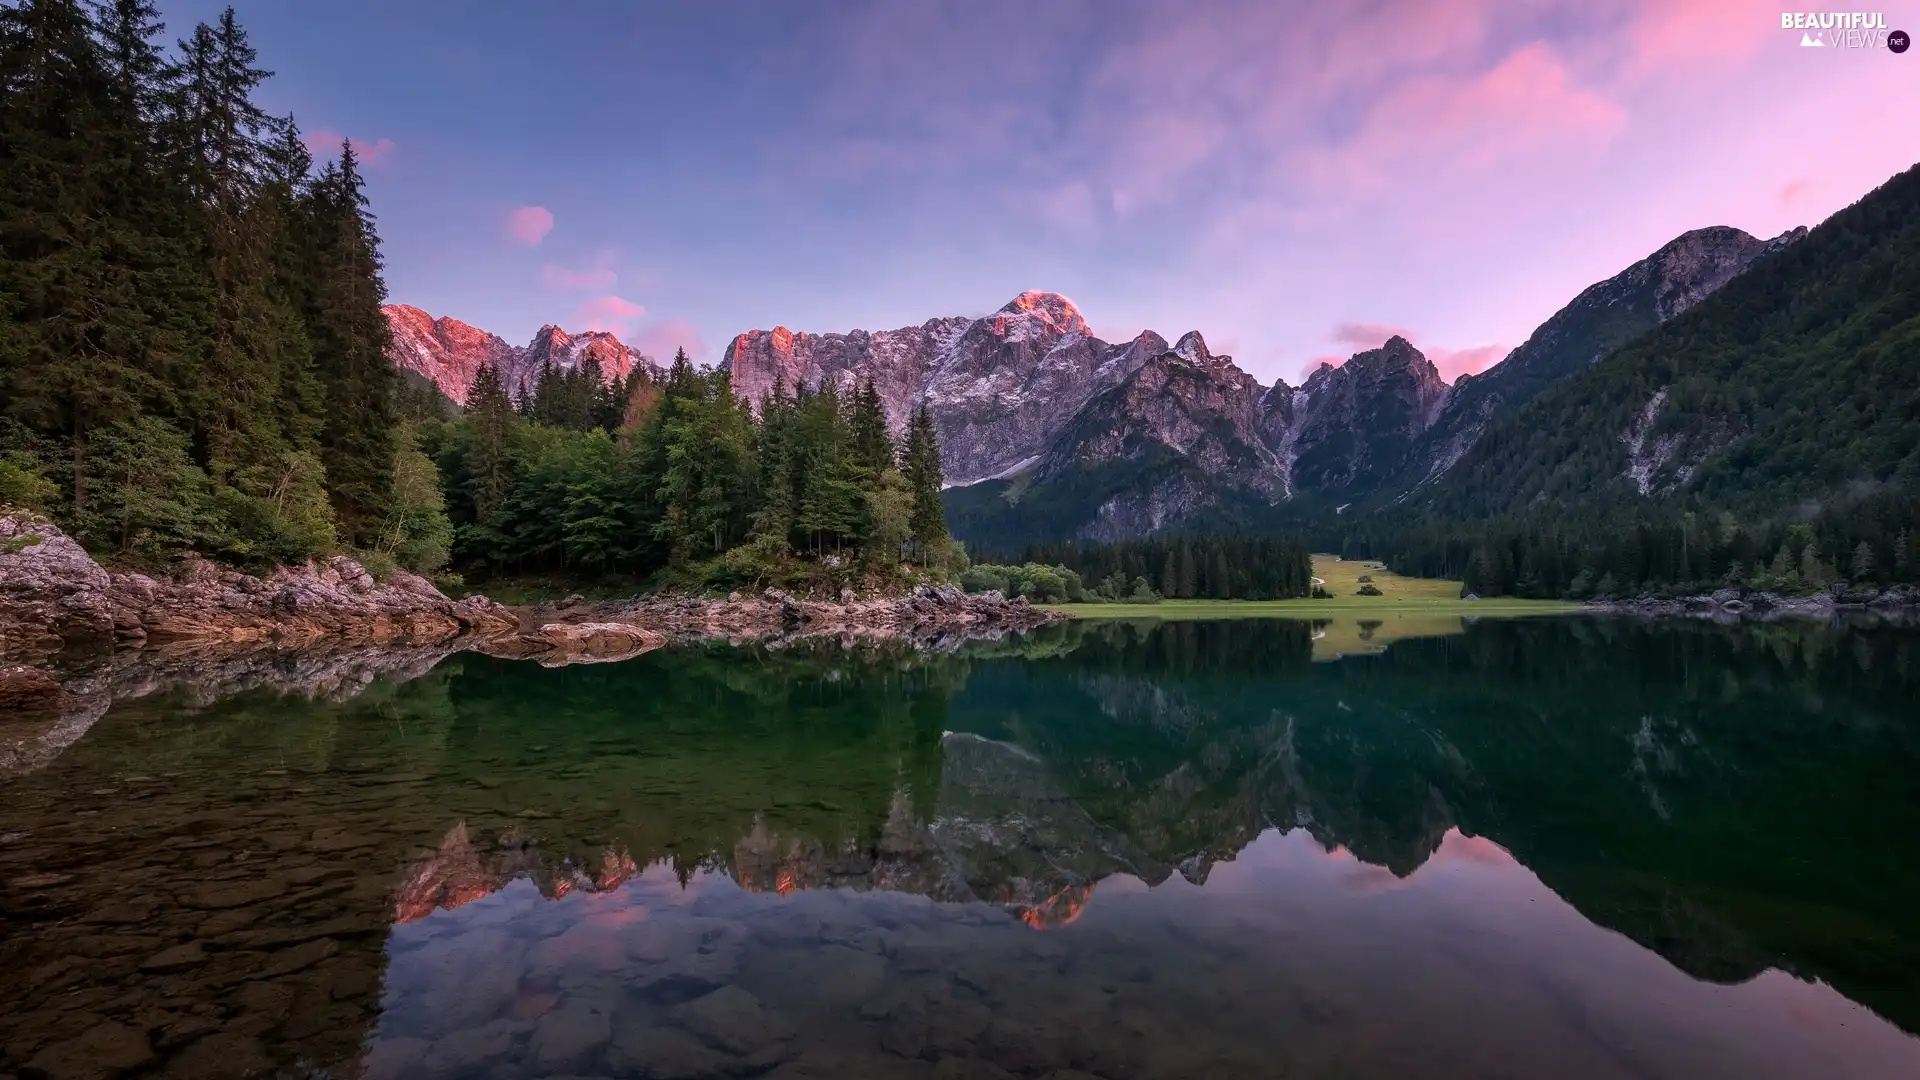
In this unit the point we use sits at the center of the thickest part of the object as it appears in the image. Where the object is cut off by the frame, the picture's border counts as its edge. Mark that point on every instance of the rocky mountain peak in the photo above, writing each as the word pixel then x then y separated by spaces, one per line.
pixel 1056 311
pixel 1193 348
pixel 449 353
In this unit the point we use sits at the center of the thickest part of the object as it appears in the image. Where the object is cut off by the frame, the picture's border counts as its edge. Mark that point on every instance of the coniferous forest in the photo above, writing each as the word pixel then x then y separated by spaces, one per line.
pixel 192 352
pixel 193 357
pixel 682 476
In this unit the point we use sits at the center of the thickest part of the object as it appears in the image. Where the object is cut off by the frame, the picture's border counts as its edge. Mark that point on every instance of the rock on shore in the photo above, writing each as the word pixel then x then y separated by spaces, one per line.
pixel 925 615
pixel 1898 603
pixel 54 596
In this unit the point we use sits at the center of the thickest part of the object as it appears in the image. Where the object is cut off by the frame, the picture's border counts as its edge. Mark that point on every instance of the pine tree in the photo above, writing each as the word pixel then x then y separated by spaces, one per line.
pixel 921 466
pixel 1863 561
pixel 872 448
pixel 76 349
pixel 490 416
pixel 351 339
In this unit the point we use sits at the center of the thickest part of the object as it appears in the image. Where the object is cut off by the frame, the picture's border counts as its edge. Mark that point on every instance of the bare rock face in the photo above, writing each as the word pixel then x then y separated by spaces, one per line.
pixel 1181 434
pixel 1357 423
pixel 52 593
pixel 449 353
pixel 569 352
pixel 998 387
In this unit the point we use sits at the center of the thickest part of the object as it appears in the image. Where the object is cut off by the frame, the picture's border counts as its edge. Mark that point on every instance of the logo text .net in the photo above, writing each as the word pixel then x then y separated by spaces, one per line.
pixel 1838 29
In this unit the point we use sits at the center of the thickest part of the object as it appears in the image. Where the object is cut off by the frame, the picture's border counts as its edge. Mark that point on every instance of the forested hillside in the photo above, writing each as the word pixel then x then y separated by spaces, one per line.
pixel 192 353
pixel 1796 383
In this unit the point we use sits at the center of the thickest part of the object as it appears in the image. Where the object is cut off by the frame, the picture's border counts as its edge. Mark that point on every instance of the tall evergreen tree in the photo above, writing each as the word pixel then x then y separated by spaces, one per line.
pixel 872 447
pixel 75 341
pixel 351 339
pixel 921 465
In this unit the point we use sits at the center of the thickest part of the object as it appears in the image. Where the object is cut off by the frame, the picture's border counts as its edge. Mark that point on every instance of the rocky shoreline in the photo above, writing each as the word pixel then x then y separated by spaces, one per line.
pixel 109 634
pixel 1900 603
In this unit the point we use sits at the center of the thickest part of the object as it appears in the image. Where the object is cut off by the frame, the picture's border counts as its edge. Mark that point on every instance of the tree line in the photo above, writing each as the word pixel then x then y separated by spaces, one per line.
pixel 1213 566
pixel 687 483
pixel 1654 549
pixel 192 351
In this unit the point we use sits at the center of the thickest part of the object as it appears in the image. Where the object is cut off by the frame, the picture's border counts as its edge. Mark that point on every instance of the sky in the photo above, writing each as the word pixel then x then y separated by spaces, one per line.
pixel 1296 180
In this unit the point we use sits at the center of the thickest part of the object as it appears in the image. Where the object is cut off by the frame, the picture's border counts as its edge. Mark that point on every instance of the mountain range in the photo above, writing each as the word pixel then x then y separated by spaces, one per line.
pixel 448 353
pixel 1049 432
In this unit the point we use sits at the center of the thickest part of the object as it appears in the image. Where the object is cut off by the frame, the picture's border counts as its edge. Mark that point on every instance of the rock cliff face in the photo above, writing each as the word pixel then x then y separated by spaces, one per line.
pixel 1188 439
pixel 999 388
pixel 1181 435
pixel 1356 424
pixel 448 352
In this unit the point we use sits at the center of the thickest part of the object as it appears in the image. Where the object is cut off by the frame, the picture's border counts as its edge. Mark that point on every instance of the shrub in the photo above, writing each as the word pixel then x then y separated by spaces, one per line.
pixel 1369 590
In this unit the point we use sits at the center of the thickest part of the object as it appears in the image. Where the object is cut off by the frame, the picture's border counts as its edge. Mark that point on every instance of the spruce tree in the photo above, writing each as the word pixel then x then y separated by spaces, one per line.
pixel 76 349
pixel 921 466
pixel 490 418
pixel 351 339
pixel 872 448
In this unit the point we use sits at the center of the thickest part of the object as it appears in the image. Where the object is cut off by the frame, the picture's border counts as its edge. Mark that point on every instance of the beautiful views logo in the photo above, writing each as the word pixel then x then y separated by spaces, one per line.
pixel 1844 30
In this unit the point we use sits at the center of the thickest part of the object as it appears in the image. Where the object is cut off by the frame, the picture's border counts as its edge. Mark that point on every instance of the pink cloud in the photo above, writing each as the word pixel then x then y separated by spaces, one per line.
pixel 661 339
pixel 1527 106
pixel 1684 34
pixel 326 143
pixel 1362 336
pixel 610 313
pixel 597 274
pixel 529 224
pixel 1451 363
pixel 1794 191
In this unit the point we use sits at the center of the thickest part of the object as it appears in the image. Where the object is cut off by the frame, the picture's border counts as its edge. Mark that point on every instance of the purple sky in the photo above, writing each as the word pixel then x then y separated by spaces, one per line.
pixel 1295 180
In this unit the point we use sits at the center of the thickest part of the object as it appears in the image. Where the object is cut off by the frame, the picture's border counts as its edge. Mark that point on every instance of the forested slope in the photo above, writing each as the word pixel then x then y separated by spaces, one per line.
pixel 1799 381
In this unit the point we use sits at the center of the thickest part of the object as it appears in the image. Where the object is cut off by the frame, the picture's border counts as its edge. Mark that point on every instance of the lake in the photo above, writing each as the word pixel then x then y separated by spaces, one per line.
pixel 1549 847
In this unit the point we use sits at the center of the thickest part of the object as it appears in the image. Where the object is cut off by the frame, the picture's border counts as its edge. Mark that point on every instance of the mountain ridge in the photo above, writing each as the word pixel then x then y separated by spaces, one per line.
pixel 448 352
pixel 1049 432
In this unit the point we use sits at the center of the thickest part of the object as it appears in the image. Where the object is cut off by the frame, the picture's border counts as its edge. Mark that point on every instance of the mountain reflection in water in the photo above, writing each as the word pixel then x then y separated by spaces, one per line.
pixel 1568 848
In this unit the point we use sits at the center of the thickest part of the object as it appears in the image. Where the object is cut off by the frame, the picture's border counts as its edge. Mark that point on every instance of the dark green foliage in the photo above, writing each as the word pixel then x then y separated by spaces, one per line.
pixel 1652 549
pixel 920 462
pixel 686 482
pixel 1215 566
pixel 1794 382
pixel 192 352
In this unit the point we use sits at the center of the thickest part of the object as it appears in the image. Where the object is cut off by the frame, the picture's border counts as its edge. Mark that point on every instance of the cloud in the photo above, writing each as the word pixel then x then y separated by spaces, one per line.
pixel 609 313
pixel 597 274
pixel 529 225
pixel 1795 191
pixel 660 339
pixel 325 143
pixel 1451 363
pixel 1527 106
pixel 1362 336
pixel 1691 34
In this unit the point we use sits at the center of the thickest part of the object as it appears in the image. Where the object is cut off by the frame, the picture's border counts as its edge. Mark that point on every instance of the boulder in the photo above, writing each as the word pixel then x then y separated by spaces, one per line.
pixel 27 690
